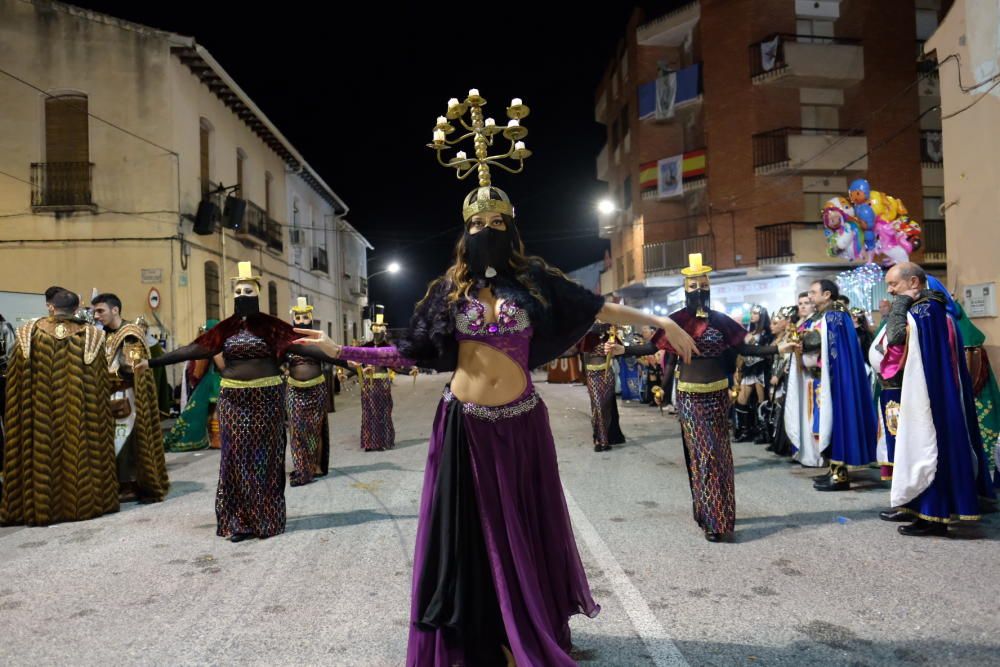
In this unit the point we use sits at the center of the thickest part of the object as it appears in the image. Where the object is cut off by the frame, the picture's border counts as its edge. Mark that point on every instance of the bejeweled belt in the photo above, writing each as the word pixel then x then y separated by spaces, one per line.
pixel 492 413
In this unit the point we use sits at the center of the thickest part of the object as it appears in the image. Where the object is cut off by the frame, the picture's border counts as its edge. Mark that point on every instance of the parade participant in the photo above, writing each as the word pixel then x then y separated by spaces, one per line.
pixel 142 466
pixel 829 412
pixel 250 499
pixel 306 401
pixel 886 356
pixel 940 468
pixel 703 399
pixel 984 385
pixel 601 387
pixel 753 378
pixel 863 329
pixel 629 371
pixel 377 430
pixel 496 571
pixel 59 455
pixel 192 429
pixel 806 311
pixel 783 328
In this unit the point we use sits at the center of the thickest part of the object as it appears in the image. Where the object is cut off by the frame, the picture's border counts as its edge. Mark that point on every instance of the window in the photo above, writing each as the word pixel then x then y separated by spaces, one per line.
pixel 354 325
pixel 241 159
pixel 205 141
pixel 615 133
pixel 345 340
pixel 212 311
pixel 627 193
pixel 272 298
pixel 813 28
pixel 329 330
pixel 624 120
pixel 932 207
pixel 927 23
pixel 67 137
pixel 295 212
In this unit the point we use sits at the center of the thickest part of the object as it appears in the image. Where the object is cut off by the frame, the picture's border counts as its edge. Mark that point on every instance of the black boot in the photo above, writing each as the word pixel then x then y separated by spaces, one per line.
pixel 837 481
pixel 924 528
pixel 742 423
pixel 897 516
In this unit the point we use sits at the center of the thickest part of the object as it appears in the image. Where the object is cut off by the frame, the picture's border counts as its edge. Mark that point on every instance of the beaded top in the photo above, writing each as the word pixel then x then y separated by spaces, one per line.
pixel 245 345
pixel 711 343
pixel 510 334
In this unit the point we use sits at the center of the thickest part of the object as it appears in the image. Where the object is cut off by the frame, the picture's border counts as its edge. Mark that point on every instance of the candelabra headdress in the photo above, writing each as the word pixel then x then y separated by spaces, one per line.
pixel 486 198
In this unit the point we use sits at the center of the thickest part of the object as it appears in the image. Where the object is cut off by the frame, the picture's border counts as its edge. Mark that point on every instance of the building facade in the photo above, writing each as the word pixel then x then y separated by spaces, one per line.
pixel 766 109
pixel 113 136
pixel 967 46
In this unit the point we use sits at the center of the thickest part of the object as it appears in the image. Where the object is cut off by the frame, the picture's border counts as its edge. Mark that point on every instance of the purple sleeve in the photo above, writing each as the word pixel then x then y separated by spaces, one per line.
pixel 376 356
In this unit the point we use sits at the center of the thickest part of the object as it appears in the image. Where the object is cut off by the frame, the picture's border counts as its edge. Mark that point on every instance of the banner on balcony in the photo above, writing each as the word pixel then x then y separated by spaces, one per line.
pixel 694 164
pixel 932 146
pixel 769 53
pixel 666 94
pixel 648 177
pixel 670 182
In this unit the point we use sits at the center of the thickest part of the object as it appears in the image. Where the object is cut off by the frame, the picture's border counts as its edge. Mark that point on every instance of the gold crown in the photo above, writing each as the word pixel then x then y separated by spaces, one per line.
pixel 246 274
pixel 695 267
pixel 301 307
pixel 483 132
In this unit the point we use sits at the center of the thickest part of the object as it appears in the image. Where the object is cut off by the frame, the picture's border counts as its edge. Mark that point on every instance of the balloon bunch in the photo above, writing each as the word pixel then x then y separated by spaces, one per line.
pixel 869 224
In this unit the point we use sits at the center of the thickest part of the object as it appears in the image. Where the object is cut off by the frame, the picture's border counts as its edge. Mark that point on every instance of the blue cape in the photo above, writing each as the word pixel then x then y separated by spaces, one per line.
pixel 854 437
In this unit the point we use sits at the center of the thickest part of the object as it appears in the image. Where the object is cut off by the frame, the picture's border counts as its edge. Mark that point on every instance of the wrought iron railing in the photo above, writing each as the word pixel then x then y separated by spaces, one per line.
pixel 66 184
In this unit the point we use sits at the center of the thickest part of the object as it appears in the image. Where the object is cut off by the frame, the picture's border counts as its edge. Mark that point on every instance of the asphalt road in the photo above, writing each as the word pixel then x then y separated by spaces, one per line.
pixel 812 579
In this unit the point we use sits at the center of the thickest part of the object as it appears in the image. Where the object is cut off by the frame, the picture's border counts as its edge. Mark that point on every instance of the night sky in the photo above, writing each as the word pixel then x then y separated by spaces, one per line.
pixel 357 91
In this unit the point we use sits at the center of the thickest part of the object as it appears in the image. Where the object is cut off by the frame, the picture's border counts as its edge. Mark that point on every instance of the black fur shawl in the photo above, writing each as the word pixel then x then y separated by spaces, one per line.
pixel 571 309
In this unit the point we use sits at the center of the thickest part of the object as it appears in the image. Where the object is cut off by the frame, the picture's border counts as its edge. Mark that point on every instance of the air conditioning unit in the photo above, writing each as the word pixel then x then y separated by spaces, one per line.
pixel 297 236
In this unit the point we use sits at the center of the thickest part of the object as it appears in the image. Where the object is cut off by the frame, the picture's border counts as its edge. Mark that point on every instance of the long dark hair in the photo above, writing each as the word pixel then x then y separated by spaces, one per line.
pixel 763 326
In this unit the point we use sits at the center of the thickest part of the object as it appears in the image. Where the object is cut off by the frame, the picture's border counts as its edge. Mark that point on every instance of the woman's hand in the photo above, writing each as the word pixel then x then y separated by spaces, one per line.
pixel 614 349
pixel 786 347
pixel 679 339
pixel 318 339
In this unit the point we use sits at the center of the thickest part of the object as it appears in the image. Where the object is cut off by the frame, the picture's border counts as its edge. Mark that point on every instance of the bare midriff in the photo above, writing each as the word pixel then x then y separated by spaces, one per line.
pixel 487 376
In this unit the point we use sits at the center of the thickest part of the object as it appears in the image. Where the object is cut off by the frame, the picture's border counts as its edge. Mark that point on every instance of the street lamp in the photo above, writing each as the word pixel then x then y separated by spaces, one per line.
pixel 394 267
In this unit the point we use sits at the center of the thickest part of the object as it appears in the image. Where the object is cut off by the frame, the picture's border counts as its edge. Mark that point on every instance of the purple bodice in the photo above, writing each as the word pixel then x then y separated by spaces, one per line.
pixel 245 345
pixel 510 334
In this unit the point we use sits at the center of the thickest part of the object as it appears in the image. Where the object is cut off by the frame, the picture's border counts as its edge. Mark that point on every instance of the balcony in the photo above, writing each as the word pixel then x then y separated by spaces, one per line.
pixel 809 150
pixel 931 149
pixel 253 231
pixel 672 28
pixel 791 243
pixel 275 240
pixel 687 95
pixel 320 261
pixel 672 256
pixel 360 288
pixel 799 61
pixel 62 187
pixel 934 241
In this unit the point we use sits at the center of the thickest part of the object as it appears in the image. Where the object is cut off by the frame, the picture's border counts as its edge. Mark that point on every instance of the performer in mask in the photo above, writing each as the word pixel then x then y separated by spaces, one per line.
pixel 601 387
pixel 306 405
pixel 496 572
pixel 250 499
pixel 703 399
pixel 753 379
pixel 377 430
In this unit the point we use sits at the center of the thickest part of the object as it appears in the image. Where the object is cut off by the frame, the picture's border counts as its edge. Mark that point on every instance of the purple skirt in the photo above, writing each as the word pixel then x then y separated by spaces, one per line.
pixel 524 527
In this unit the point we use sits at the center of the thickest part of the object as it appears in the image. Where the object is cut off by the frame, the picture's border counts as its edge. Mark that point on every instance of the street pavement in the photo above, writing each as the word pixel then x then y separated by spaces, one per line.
pixel 812 578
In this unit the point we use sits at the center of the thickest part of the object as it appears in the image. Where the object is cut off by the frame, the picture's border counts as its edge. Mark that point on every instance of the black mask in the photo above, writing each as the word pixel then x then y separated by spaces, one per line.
pixel 247 305
pixel 489 248
pixel 698 300
pixel 311 324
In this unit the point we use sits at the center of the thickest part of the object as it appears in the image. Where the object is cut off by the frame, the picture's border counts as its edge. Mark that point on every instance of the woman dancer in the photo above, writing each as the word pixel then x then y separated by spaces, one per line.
pixel 754 378
pixel 496 572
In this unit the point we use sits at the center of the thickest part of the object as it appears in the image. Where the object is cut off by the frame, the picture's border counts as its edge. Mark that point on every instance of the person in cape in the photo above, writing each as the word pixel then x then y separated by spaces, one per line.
pixel 193 428
pixel 139 452
pixel 703 399
pixel 601 387
pixel 250 497
pixel 940 469
pixel 496 571
pixel 829 410
pixel 59 452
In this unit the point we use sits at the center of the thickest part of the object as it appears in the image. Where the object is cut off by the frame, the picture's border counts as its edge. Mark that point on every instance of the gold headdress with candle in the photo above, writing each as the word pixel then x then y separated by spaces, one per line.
pixel 301 307
pixel 483 131
pixel 246 274
pixel 695 268
pixel 379 324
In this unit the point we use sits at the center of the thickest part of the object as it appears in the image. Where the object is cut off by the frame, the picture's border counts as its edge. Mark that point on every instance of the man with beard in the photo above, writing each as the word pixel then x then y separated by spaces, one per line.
pixel 703 399
pixel 829 411
pixel 142 466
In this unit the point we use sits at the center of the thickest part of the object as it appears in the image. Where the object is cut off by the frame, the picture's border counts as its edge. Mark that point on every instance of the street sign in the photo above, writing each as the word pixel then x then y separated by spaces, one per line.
pixel 154 298
pixel 152 276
